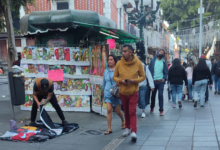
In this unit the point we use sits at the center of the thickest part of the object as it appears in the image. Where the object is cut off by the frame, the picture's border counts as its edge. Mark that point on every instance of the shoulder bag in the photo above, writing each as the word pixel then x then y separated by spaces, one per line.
pixel 115 89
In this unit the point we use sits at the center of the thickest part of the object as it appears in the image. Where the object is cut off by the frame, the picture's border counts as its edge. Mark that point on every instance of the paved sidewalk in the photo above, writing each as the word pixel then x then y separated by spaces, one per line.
pixel 188 128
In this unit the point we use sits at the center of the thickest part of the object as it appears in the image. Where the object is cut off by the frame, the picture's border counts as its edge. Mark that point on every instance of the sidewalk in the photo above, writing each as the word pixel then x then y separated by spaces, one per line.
pixel 188 128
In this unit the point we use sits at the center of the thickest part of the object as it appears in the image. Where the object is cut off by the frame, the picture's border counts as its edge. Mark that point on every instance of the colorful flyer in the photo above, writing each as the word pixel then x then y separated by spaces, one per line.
pixel 85 70
pixel 28 100
pixel 24 53
pixel 34 53
pixel 29 53
pixel 40 68
pixel 52 56
pixel 61 53
pixel 40 53
pixel 45 53
pixel 86 86
pixel 67 51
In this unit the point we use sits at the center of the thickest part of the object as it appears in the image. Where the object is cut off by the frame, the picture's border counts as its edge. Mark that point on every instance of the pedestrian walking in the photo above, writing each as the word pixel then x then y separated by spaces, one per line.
pixel 144 90
pixel 176 76
pixel 189 71
pixel 159 71
pixel 209 64
pixel 201 76
pixel 213 74
pixel 216 71
pixel 129 72
pixel 108 84
pixel 43 93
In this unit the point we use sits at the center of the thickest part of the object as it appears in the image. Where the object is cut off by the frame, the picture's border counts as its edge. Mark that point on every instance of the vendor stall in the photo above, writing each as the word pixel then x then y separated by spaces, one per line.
pixel 77 42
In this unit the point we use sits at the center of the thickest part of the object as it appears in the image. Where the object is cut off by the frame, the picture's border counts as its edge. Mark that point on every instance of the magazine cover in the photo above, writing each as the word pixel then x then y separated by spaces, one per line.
pixel 28 100
pixel 70 84
pixel 40 68
pixel 60 100
pixel 45 53
pixel 24 52
pixel 64 85
pixel 61 53
pixel 29 53
pixel 46 68
pixel 31 68
pixel 34 53
pixel 57 85
pixel 86 86
pixel 104 61
pixel 72 70
pixel 52 55
pixel 67 51
pixel 40 53
pixel 25 68
pixel 85 70
pixel 31 84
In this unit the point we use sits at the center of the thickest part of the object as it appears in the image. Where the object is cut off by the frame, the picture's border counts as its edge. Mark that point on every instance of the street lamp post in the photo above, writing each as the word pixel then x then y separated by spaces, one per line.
pixel 139 18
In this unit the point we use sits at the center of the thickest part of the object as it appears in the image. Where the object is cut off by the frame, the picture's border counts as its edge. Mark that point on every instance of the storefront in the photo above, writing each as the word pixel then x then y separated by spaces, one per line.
pixel 77 42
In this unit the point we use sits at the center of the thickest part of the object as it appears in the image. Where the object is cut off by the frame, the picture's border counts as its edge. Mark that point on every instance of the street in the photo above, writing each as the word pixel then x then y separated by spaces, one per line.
pixel 188 128
pixel 4 93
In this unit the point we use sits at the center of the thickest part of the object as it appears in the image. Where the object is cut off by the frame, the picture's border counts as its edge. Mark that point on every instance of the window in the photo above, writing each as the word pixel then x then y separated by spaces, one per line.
pixel 62 5
pixel 18 42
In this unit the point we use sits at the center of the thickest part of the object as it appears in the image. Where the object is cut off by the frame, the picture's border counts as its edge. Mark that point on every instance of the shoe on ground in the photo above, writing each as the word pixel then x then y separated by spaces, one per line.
pixel 161 113
pixel 32 124
pixel 174 105
pixel 143 115
pixel 218 93
pixel 206 101
pixel 190 100
pixel 133 137
pixel 126 132
pixel 180 104
pixel 195 104
pixel 193 100
pixel 151 110
pixel 202 106
pixel 65 123
pixel 215 92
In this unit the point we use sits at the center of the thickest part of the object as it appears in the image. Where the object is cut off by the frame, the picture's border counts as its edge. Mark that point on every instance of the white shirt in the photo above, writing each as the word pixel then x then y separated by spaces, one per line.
pixel 189 72
pixel 149 77
pixel 209 64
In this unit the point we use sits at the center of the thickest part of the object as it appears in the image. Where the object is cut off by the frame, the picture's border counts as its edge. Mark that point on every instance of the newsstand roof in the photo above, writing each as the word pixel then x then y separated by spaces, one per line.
pixel 62 20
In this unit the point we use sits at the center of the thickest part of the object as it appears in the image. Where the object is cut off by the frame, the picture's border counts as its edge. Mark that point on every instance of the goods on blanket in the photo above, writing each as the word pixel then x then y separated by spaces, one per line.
pixel 42 131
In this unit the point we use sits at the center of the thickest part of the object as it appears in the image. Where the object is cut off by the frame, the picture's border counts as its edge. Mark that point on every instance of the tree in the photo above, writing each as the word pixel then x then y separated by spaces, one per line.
pixel 6 6
pixel 175 11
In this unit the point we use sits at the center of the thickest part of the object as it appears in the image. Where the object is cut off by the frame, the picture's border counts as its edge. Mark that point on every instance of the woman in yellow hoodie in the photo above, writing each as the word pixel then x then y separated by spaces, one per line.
pixel 131 73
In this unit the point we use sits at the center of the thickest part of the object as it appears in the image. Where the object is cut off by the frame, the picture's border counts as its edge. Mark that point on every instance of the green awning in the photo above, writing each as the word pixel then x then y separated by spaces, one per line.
pixel 62 20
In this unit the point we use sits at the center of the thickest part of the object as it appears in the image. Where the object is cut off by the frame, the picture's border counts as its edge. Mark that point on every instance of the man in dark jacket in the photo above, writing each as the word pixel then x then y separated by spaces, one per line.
pixel 216 71
pixel 159 71
pixel 213 74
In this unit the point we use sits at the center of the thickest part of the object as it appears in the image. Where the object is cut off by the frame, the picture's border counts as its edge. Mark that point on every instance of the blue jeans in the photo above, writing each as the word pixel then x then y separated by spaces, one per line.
pixel 217 83
pixel 200 88
pixel 190 89
pixel 213 80
pixel 176 90
pixel 142 97
pixel 158 86
pixel 207 93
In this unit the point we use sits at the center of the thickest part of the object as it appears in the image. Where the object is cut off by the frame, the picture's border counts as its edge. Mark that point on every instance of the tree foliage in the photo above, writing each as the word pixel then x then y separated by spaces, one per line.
pixel 15 7
pixel 178 10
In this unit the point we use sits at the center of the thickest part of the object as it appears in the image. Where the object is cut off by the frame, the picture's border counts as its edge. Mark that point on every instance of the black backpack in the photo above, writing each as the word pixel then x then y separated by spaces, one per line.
pixel 217 69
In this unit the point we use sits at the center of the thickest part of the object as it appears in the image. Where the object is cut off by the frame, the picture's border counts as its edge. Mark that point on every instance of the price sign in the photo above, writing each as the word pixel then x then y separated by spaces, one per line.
pixel 55 75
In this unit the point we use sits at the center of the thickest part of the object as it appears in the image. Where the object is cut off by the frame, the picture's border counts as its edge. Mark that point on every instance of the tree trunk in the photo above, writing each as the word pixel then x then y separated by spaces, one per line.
pixel 11 36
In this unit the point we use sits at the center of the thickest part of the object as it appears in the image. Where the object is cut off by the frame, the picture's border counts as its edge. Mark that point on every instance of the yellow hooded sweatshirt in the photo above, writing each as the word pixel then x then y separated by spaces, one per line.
pixel 129 70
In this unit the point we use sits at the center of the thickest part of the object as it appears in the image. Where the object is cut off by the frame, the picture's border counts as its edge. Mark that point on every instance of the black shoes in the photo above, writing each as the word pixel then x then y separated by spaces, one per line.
pixel 195 104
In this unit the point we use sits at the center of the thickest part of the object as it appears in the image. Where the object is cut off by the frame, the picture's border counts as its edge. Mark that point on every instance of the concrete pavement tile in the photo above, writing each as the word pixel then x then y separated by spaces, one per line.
pixel 205 148
pixel 175 143
pixel 161 134
pixel 205 143
pixel 178 148
pixel 128 147
pixel 208 134
pixel 156 143
pixel 204 139
pixel 152 138
pixel 59 146
pixel 146 147
pixel 181 139
pixel 179 134
pixel 129 142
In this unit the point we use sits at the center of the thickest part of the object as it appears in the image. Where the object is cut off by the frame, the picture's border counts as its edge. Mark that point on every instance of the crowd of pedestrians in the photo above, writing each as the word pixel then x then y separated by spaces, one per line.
pixel 139 83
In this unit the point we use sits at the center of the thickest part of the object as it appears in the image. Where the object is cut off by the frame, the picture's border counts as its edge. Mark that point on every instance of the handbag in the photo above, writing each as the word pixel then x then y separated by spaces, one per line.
pixel 115 89
pixel 185 91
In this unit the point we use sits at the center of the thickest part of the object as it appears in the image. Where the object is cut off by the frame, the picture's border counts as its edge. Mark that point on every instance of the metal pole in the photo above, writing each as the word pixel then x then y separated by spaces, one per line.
pixel 200 35
pixel 12 107
pixel 141 24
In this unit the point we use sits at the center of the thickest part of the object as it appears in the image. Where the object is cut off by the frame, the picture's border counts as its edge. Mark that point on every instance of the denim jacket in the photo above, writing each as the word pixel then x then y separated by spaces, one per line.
pixel 107 83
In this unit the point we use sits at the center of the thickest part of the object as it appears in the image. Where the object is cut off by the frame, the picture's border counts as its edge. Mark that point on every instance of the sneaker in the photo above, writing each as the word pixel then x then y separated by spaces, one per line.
pixel 65 123
pixel 126 132
pixel 195 104
pixel 151 110
pixel 174 105
pixel 202 106
pixel 143 115
pixel 218 93
pixel 161 113
pixel 190 100
pixel 33 124
pixel 206 101
pixel 133 137
pixel 180 104
pixel 215 92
